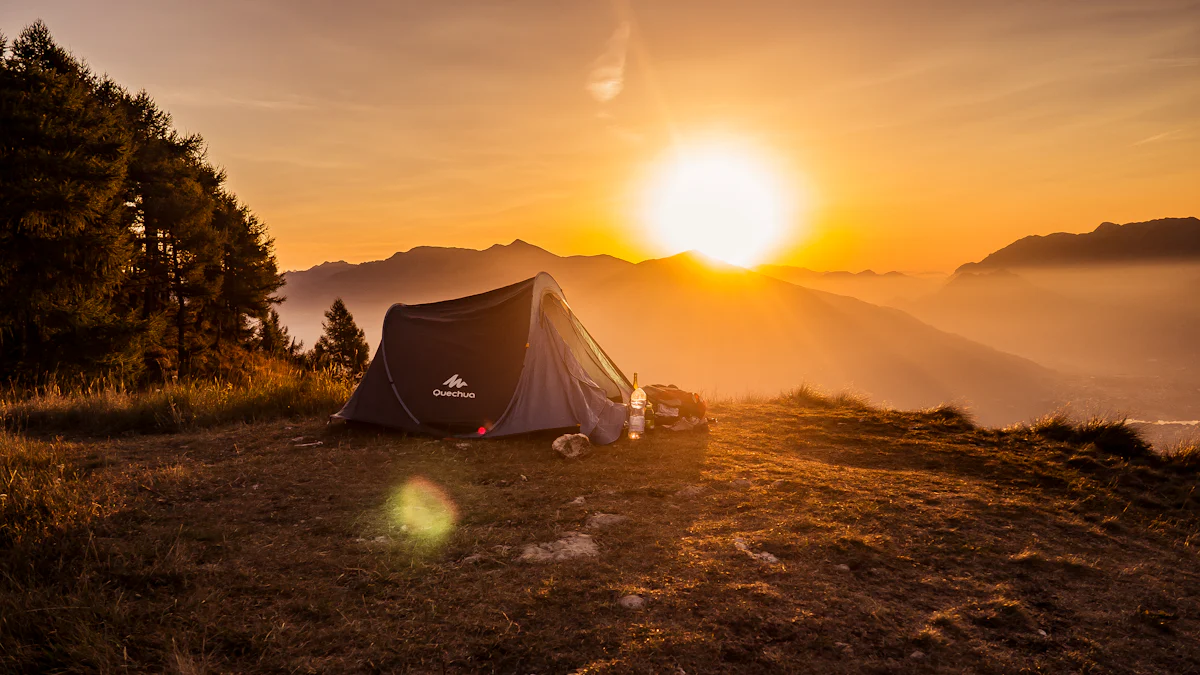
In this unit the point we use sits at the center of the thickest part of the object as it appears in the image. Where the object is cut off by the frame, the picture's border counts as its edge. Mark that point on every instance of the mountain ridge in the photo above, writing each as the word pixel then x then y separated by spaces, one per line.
pixel 1159 240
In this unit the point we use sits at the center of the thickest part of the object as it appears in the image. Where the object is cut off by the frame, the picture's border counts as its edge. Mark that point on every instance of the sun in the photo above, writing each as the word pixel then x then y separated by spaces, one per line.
pixel 723 200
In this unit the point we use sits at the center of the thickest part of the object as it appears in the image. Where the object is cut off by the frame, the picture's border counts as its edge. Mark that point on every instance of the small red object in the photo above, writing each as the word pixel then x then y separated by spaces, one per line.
pixel 482 430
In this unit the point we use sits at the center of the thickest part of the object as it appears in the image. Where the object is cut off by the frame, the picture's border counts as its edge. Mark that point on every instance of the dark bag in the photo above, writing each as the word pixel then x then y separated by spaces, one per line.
pixel 674 408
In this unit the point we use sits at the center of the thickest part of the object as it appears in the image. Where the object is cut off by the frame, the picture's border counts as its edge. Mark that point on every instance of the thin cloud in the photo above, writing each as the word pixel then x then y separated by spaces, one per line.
pixel 608 71
pixel 1158 137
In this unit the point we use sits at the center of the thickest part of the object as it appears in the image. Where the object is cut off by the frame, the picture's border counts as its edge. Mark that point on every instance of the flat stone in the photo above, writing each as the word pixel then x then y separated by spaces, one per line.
pixel 917 655
pixel 572 545
pixel 842 568
pixel 572 446
pixel 599 520
pixel 632 602
pixel 691 491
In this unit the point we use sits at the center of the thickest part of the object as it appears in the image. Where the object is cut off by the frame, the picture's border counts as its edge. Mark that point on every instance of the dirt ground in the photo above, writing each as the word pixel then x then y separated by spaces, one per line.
pixel 788 539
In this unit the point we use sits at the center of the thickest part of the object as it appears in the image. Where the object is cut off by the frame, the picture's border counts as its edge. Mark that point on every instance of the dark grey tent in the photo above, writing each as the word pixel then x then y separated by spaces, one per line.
pixel 504 362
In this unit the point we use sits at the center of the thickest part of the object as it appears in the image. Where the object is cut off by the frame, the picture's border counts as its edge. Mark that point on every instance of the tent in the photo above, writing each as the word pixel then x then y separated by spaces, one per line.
pixel 508 361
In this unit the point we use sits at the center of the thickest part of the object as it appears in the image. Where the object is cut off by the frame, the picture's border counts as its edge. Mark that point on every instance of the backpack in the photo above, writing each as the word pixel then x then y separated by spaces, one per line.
pixel 671 405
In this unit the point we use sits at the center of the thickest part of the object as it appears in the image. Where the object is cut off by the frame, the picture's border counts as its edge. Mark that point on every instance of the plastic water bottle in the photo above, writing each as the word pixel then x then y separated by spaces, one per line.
pixel 637 411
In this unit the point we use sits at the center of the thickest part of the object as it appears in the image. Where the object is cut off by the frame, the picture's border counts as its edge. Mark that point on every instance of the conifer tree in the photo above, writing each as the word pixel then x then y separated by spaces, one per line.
pixel 120 247
pixel 63 239
pixel 273 337
pixel 343 345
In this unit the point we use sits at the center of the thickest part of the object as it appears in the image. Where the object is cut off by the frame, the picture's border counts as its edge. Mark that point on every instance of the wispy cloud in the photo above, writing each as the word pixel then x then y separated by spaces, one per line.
pixel 608 71
pixel 1158 137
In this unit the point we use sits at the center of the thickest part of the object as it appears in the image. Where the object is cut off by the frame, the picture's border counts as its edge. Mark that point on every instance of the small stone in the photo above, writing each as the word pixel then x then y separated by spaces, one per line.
pixel 1042 632
pixel 741 483
pixel 577 500
pixel 691 491
pixel 297 439
pixel 573 446
pixel 599 520
pixel 632 602
pixel 572 545
pixel 917 655
pixel 463 445
pixel 842 568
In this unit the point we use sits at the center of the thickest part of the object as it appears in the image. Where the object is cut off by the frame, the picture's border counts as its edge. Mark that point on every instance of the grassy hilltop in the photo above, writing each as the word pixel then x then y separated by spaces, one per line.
pixel 803 534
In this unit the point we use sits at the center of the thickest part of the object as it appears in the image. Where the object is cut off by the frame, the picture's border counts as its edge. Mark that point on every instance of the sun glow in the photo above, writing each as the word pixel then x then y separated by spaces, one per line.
pixel 722 200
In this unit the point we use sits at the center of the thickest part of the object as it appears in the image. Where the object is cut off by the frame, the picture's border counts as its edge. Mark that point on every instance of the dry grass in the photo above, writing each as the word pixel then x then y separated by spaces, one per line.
pixel 236 549
pixel 1110 436
pixel 272 390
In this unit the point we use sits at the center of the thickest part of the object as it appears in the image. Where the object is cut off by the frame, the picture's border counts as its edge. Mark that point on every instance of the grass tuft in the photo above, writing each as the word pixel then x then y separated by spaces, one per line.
pixel 1183 455
pixel 950 416
pixel 808 396
pixel 1115 437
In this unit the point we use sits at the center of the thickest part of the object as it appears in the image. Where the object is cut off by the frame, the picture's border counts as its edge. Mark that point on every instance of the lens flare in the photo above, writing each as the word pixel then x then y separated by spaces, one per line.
pixel 423 511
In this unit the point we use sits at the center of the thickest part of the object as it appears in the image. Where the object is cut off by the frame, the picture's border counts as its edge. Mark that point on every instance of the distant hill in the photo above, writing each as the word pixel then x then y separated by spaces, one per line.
pixel 1152 241
pixel 705 325
pixel 425 274
pixel 889 288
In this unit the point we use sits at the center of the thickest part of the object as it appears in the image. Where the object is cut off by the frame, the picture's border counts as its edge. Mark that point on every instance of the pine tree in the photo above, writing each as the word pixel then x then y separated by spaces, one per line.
pixel 343 346
pixel 64 243
pixel 273 337
pixel 120 248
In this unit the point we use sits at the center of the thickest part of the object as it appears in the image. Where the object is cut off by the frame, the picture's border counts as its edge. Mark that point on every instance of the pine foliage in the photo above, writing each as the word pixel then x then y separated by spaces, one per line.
pixel 343 345
pixel 122 254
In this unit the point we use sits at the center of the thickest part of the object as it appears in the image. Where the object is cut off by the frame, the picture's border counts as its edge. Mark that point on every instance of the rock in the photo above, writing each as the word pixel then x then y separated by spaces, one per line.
pixel 572 545
pixel 573 446
pixel 691 491
pixel 842 568
pixel 741 483
pixel 599 520
pixel 1042 632
pixel 917 655
pixel 577 500
pixel 632 602
pixel 740 544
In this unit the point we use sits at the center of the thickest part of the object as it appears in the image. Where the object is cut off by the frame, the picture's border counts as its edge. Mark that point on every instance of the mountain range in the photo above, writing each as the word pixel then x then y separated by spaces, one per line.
pixel 702 325
pixel 1152 241
pixel 1013 336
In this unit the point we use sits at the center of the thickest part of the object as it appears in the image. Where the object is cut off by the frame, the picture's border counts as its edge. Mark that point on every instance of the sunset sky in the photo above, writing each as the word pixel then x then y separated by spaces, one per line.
pixel 925 134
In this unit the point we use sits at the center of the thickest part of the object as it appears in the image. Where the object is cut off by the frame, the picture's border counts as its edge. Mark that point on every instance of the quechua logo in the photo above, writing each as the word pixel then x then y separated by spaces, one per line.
pixel 453 388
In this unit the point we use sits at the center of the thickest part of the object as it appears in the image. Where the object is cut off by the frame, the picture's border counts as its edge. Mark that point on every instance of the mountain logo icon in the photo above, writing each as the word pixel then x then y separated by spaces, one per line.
pixel 455 381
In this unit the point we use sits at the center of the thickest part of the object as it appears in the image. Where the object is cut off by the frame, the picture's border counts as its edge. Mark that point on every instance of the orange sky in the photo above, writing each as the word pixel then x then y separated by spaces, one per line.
pixel 930 133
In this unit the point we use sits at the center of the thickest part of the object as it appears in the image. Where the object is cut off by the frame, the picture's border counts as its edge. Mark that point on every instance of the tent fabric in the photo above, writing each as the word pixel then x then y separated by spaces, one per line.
pixel 508 361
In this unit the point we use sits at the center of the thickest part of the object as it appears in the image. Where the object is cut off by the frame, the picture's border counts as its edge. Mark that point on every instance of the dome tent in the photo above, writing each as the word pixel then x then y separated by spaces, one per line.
pixel 507 361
